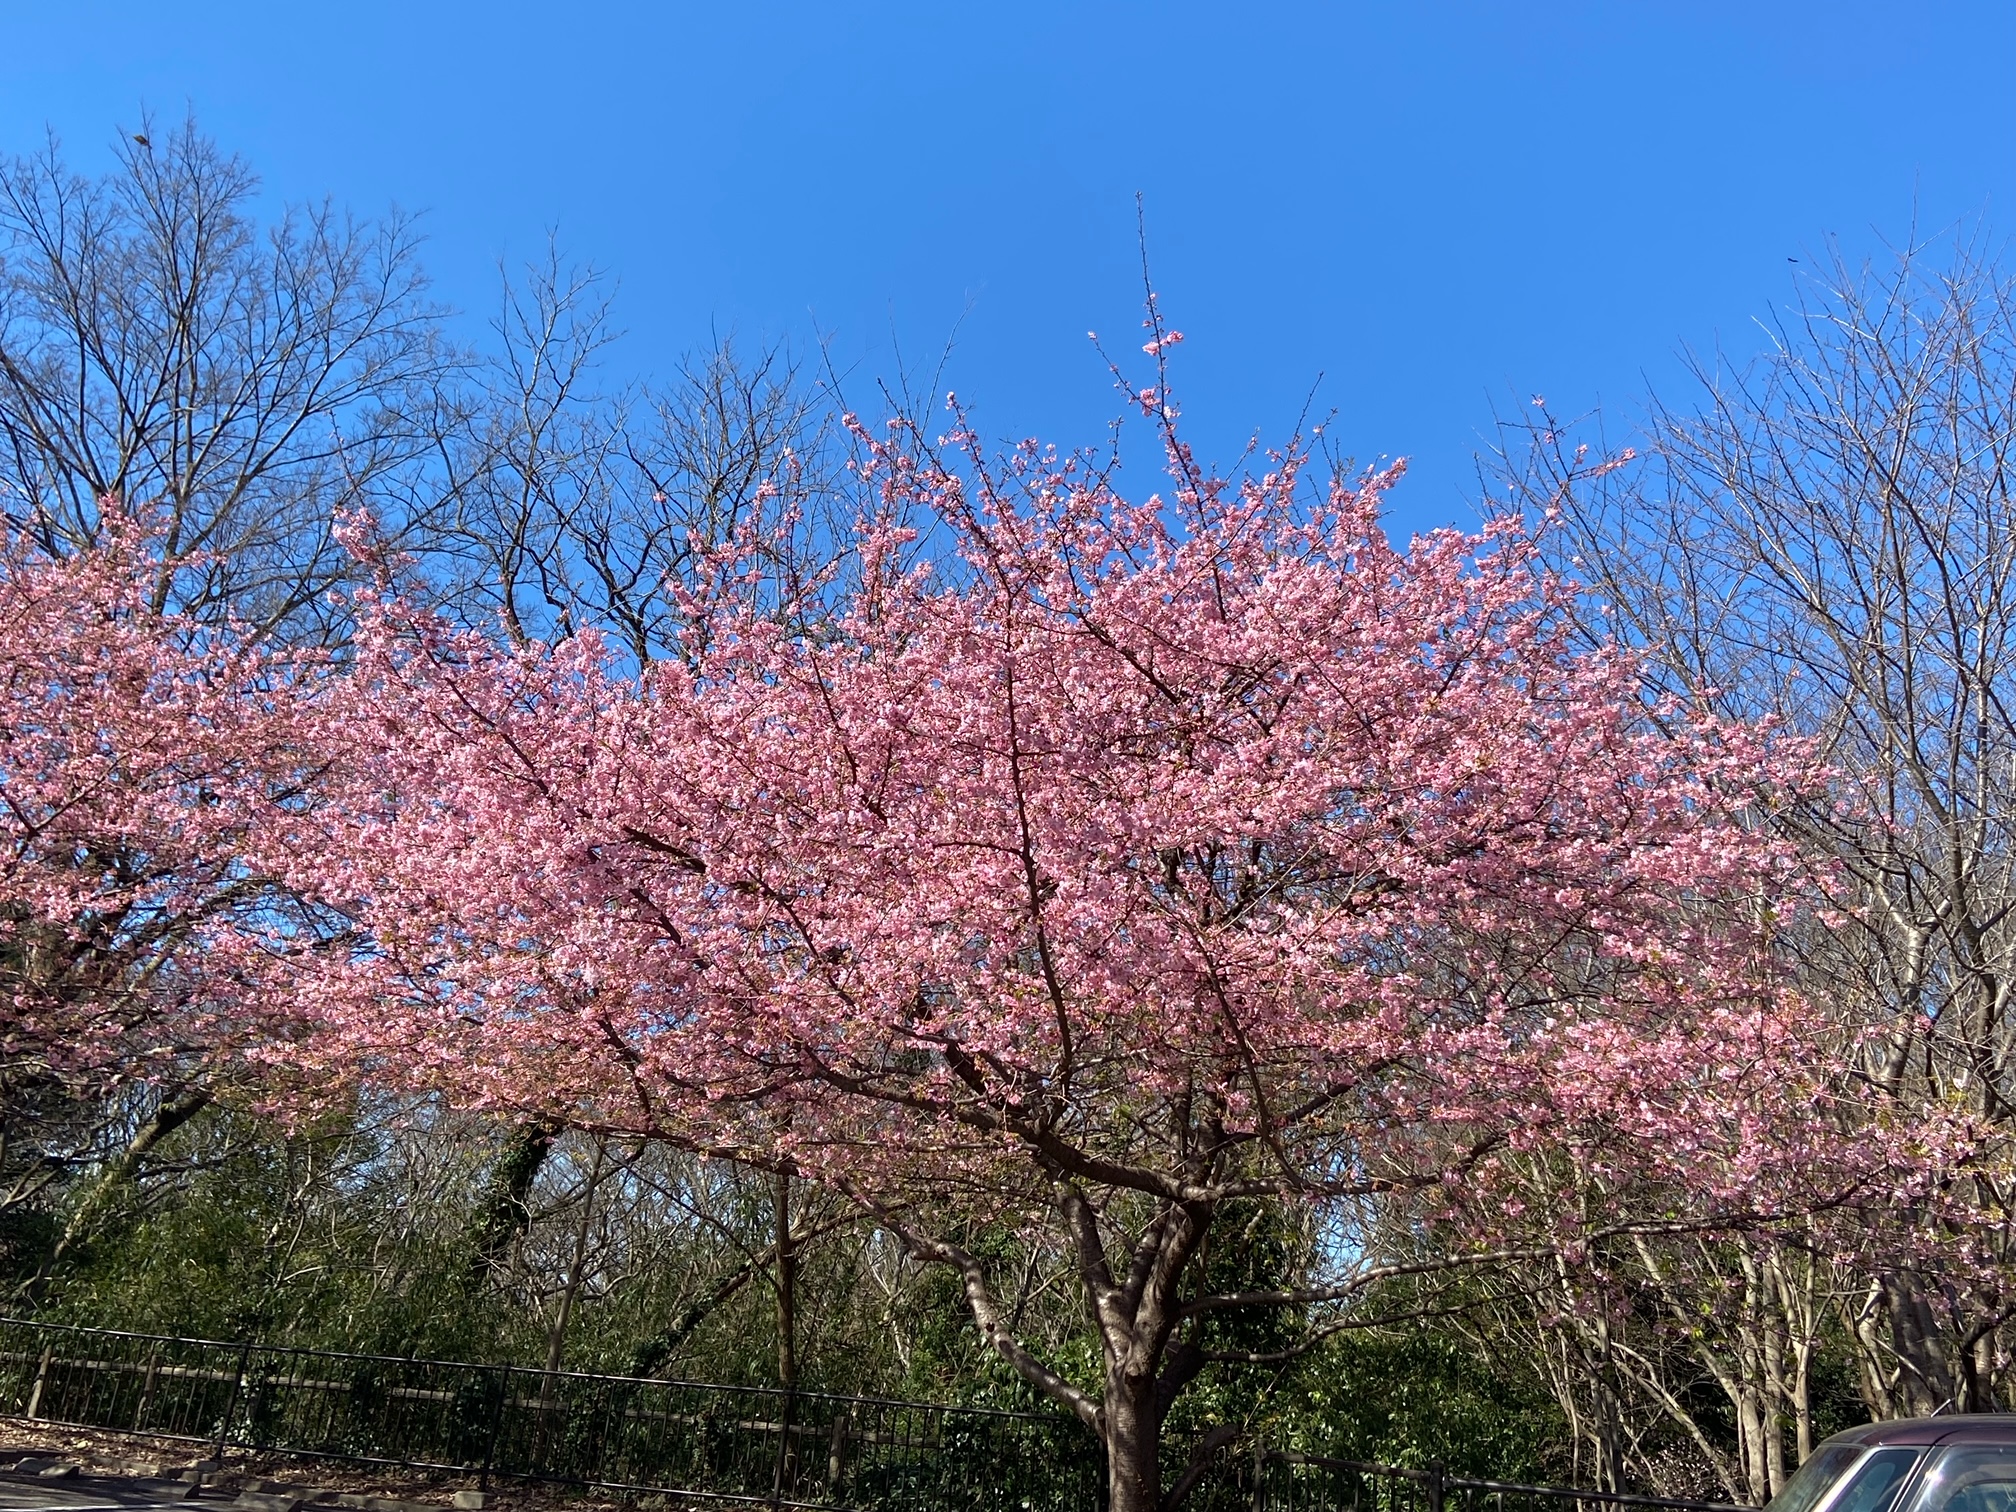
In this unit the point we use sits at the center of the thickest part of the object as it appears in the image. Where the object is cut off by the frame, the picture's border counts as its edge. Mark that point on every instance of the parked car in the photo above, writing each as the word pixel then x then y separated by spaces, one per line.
pixel 1945 1464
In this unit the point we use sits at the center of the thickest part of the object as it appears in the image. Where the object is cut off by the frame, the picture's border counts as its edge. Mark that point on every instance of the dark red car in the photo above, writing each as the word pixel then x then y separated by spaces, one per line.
pixel 1956 1464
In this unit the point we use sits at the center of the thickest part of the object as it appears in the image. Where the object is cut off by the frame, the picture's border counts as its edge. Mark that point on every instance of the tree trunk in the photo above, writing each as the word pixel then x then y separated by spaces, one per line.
pixel 1136 1320
pixel 173 1113
pixel 1130 1424
pixel 787 1289
pixel 1775 1393
pixel 1924 1380
pixel 556 1338
pixel 505 1210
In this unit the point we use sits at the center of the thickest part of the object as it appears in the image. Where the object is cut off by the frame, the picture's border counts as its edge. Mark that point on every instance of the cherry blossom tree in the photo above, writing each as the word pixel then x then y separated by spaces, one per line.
pixel 1118 863
pixel 135 745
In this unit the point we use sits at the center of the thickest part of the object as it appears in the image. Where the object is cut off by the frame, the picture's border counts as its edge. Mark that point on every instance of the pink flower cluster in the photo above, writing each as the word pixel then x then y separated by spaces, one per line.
pixel 136 750
pixel 1198 848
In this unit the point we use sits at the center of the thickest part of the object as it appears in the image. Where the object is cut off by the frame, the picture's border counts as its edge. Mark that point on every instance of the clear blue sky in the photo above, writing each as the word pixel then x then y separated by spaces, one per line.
pixel 1439 207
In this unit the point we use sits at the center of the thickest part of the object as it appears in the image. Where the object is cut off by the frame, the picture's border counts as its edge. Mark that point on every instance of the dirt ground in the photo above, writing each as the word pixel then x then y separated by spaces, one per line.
pixel 126 1454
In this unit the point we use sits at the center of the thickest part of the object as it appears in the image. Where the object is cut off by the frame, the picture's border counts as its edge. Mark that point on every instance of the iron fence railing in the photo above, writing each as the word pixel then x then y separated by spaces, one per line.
pixel 758 1445
pixel 723 1443
pixel 1284 1482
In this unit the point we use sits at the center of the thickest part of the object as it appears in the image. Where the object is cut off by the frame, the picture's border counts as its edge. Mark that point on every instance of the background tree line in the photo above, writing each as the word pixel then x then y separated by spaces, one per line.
pixel 1823 538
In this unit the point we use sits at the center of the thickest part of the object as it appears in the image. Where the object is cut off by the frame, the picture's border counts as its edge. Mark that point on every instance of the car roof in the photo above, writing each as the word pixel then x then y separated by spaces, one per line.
pixel 1963 1428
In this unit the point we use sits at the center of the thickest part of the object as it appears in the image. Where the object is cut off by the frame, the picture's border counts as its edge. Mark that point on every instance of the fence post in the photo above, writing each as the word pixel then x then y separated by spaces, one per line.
pixel 1438 1485
pixel 496 1425
pixel 147 1390
pixel 785 1458
pixel 231 1402
pixel 41 1379
pixel 836 1446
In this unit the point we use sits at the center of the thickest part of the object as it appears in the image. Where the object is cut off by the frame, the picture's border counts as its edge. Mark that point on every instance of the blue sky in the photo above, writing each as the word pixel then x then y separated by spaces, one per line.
pixel 1437 207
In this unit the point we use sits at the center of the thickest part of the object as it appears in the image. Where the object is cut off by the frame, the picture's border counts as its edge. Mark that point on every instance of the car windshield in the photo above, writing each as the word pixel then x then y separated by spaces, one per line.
pixel 1816 1478
pixel 1969 1478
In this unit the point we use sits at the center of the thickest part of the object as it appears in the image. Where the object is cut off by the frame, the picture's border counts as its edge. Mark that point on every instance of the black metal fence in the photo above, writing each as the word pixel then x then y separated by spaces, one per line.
pixel 721 1443
pixel 1307 1483
pixel 680 1438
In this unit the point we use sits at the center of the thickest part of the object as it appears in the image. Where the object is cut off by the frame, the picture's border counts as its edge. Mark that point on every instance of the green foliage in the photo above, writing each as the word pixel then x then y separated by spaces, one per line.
pixel 406 1232
pixel 1418 1397
pixel 26 1234
pixel 1412 1395
pixel 247 1230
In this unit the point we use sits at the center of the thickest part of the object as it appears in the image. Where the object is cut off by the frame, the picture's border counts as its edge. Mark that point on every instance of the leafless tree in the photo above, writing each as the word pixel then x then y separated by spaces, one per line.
pixel 159 346
pixel 576 505
pixel 1656 1345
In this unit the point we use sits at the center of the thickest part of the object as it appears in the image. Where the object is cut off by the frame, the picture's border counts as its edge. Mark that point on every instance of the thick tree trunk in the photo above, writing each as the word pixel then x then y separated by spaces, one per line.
pixel 505 1211
pixel 1925 1380
pixel 1130 1423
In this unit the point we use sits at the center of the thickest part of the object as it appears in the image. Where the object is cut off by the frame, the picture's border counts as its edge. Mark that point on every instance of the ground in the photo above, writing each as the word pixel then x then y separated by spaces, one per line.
pixel 132 1472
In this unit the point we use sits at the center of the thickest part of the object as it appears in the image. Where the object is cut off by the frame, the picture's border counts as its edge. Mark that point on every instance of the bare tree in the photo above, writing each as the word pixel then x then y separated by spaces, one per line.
pixel 157 345
pixel 576 506
pixel 244 386
pixel 1682 1359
